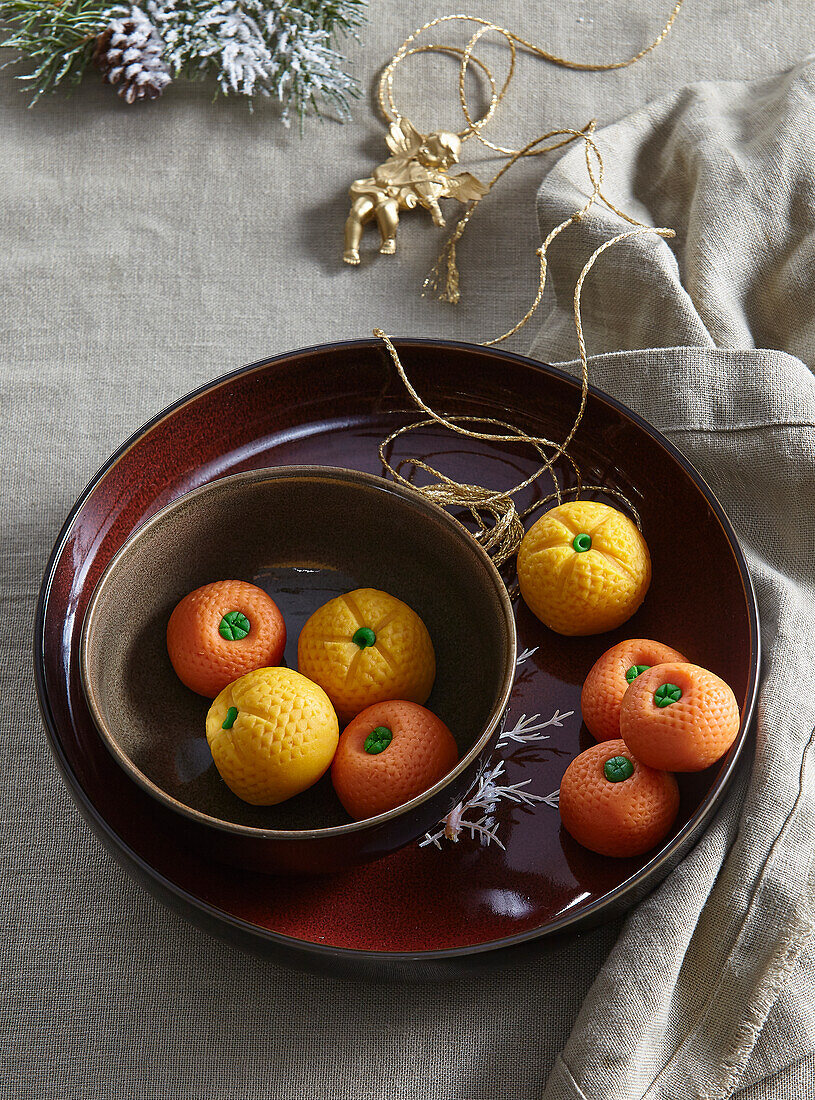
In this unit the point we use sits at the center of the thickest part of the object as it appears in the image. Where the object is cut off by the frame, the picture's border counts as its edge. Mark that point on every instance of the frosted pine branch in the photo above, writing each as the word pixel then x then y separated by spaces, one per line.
pixel 54 42
pixel 305 69
pixel 234 41
pixel 250 47
pixel 262 47
pixel 338 17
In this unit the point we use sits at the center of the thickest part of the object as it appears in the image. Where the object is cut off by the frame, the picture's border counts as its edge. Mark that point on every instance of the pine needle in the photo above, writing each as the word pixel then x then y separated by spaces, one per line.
pixel 55 39
pixel 249 47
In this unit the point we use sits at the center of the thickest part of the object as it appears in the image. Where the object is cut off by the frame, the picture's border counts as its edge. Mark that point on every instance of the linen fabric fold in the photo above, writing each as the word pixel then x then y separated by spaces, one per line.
pixel 709 988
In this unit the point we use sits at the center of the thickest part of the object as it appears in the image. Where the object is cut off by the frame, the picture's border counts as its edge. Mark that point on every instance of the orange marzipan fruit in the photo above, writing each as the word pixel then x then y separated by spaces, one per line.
pixel 606 683
pixel 422 750
pixel 694 728
pixel 623 818
pixel 206 661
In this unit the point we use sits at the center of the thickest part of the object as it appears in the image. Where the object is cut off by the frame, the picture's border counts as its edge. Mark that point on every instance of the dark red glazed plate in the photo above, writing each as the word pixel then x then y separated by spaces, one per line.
pixel 332 405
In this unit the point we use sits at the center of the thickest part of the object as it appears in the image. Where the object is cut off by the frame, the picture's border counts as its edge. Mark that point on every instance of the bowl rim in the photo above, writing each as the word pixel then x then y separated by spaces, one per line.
pixel 412 499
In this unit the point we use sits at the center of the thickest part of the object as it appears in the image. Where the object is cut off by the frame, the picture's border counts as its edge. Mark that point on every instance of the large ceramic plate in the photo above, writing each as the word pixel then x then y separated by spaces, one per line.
pixel 332 405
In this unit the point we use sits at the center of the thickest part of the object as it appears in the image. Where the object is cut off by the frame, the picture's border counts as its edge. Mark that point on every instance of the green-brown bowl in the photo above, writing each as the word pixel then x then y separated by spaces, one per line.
pixel 305 534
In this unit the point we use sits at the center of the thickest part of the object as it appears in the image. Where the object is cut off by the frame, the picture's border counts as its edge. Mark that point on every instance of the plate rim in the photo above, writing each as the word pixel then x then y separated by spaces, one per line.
pixel 117 845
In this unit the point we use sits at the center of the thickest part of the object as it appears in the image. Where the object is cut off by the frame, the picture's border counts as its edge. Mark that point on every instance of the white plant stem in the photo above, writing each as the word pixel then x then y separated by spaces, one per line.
pixel 527 730
pixel 475 814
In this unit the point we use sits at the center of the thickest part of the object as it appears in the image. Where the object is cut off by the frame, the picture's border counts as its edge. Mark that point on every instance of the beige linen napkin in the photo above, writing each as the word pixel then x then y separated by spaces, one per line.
pixel 709 987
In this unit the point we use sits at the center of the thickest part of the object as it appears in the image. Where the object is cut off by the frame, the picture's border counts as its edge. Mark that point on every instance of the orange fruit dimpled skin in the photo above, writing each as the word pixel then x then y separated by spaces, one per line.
pixel 622 818
pixel 206 655
pixel 583 568
pixel 365 647
pixel 680 717
pixel 610 677
pixel 272 734
pixel 374 772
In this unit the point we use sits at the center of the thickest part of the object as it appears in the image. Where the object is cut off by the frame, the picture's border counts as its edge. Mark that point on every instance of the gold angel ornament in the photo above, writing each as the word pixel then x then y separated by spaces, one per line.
pixel 416 175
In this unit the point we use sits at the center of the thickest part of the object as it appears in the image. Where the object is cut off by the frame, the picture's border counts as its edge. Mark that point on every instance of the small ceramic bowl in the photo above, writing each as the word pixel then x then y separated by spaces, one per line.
pixel 304 534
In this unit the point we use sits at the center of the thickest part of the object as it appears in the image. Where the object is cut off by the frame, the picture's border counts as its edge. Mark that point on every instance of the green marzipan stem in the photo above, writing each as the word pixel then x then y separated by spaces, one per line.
pixel 582 543
pixel 378 740
pixel 635 671
pixel 234 626
pixel 617 769
pixel 666 694
pixel 364 637
pixel 229 721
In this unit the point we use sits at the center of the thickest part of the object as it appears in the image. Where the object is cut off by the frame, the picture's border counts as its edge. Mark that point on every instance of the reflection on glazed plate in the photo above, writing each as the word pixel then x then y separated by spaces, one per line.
pixel 332 405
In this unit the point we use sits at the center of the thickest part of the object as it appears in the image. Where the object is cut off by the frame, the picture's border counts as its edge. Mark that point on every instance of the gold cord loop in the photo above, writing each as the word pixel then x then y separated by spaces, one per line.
pixel 498 522
pixel 385 91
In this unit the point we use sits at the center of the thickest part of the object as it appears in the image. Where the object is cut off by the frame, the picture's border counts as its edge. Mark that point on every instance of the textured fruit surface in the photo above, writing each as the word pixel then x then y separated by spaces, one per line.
pixel 398 664
pixel 683 736
pixel 606 683
pixel 625 818
pixel 583 568
pixel 421 751
pixel 281 740
pixel 206 661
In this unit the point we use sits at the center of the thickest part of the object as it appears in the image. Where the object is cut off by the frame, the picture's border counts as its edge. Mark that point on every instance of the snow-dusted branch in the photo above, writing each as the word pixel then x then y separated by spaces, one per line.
pixel 261 47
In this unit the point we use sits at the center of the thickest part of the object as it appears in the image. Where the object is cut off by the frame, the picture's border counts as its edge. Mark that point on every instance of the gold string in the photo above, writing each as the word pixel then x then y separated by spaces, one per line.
pixel 499 524
pixel 385 90
pixel 502 536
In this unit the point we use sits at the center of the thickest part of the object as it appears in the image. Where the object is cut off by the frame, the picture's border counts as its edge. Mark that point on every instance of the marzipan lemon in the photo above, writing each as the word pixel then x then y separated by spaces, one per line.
pixel 583 568
pixel 365 647
pixel 272 734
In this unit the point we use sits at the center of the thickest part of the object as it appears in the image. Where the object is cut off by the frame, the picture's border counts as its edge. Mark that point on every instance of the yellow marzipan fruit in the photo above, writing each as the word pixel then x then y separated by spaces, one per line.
pixel 281 737
pixel 583 568
pixel 366 647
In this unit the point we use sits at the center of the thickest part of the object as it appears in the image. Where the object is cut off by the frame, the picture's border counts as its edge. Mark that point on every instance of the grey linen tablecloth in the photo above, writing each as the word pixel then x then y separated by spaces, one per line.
pixel 703 990
pixel 146 251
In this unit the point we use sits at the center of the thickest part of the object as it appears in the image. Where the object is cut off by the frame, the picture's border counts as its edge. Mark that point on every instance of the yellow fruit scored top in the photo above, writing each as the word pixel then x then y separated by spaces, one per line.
pixel 272 734
pixel 583 568
pixel 366 647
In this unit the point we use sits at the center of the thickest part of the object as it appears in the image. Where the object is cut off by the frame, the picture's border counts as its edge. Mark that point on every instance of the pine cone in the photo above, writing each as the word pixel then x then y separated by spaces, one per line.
pixel 129 52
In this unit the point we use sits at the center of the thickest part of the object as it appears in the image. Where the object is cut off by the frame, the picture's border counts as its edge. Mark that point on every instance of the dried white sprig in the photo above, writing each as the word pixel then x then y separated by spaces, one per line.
pixel 525 654
pixel 526 730
pixel 485 796
pixel 552 799
pixel 475 814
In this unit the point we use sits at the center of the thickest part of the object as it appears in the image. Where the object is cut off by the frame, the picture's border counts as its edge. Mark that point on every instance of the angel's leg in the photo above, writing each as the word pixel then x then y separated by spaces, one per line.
pixel 362 210
pixel 387 218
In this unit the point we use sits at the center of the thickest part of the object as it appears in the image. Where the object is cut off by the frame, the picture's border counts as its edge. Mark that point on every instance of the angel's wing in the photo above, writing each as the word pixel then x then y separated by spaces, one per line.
pixel 403 138
pixel 465 187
